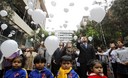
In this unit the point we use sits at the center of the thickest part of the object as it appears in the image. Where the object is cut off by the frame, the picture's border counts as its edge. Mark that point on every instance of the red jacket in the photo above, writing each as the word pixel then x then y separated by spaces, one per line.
pixel 93 75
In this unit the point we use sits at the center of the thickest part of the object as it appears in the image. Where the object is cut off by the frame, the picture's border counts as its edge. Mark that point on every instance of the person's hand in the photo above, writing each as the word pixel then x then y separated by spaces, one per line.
pixel 101 74
pixel 48 65
pixel 9 59
pixel 125 63
pixel 98 53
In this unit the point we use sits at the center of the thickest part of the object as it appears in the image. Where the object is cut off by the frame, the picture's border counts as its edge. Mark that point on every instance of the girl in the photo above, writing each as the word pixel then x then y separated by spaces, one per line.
pixel 16 71
pixel 95 69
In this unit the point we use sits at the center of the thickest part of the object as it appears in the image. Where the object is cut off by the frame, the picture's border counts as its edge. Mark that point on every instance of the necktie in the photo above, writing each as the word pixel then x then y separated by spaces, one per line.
pixel 85 45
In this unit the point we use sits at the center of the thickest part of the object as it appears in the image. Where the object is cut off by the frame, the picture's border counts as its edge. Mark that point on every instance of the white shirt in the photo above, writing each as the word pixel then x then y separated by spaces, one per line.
pixel 122 54
pixel 112 57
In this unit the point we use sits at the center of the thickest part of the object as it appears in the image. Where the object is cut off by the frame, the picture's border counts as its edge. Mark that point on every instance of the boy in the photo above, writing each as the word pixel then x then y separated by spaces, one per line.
pixel 66 70
pixel 40 70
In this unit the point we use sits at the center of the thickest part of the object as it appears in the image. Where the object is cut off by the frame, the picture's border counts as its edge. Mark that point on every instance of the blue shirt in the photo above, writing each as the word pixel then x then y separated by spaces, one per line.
pixel 16 73
pixel 44 73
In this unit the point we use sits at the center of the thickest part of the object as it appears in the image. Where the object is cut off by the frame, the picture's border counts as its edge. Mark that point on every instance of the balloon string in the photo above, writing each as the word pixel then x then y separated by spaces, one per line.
pixel 1 32
pixel 24 14
pixel 104 40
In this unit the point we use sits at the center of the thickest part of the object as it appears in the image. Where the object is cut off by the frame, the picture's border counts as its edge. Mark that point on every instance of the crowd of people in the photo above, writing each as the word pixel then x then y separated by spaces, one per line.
pixel 82 60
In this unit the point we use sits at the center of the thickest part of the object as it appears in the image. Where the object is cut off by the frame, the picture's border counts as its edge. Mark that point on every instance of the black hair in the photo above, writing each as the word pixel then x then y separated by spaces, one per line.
pixel 21 59
pixel 92 63
pixel 39 59
pixel 66 58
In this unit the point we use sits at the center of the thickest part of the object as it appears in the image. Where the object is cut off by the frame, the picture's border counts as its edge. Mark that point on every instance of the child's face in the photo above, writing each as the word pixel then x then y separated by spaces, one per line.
pixel 97 68
pixel 39 66
pixel 16 63
pixel 66 65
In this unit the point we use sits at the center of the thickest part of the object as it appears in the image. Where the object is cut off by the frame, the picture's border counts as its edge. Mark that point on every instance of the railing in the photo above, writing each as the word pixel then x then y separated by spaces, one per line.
pixel 2 38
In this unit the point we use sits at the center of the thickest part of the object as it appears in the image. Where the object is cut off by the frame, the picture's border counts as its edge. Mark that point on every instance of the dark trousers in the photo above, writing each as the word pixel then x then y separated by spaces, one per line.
pixel 122 75
pixel 105 69
pixel 1 73
pixel 114 67
pixel 82 70
pixel 55 68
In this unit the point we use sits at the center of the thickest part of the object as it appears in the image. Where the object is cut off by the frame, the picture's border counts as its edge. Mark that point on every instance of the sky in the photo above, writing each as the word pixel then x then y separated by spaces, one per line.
pixel 67 14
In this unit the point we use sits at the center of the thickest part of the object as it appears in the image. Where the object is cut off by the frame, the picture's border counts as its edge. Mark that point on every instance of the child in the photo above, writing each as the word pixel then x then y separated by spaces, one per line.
pixel 66 70
pixel 40 70
pixel 16 71
pixel 95 69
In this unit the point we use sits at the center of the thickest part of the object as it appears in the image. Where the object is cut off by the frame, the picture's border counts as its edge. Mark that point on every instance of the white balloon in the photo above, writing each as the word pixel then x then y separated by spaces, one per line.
pixel 51 43
pixel 30 5
pixel 32 22
pixel 84 23
pixel 66 10
pixel 12 32
pixel 49 20
pixel 53 3
pixel 3 13
pixel 60 26
pixel 30 11
pixel 90 38
pixel 71 4
pixel 47 27
pixel 4 26
pixel 97 14
pixel 51 15
pixel 31 39
pixel 86 8
pixel 26 7
pixel 65 25
pixel 78 26
pixel 38 16
pixel 66 21
pixel 75 37
pixel 42 35
pixel 8 47
pixel 10 35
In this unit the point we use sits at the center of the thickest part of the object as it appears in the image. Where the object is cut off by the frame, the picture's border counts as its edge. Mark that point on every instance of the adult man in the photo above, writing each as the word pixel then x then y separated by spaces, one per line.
pixel 87 53
pixel 56 58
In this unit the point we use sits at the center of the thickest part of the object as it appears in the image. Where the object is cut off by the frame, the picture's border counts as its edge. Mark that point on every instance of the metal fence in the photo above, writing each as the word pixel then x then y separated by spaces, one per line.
pixel 2 38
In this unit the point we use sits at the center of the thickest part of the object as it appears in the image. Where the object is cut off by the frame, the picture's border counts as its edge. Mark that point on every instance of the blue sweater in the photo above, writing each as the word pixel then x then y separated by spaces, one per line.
pixel 71 74
pixel 45 73
pixel 16 73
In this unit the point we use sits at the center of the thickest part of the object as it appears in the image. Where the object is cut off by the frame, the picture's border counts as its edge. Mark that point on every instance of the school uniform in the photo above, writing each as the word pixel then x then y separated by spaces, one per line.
pixel 44 73
pixel 67 73
pixel 16 73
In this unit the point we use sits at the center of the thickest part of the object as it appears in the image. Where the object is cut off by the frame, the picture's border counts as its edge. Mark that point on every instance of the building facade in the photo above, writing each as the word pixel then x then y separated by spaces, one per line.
pixel 19 20
pixel 64 35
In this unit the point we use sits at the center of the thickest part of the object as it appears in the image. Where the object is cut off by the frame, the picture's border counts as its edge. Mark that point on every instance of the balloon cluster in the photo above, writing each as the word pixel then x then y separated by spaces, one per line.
pixel 37 15
pixel 3 13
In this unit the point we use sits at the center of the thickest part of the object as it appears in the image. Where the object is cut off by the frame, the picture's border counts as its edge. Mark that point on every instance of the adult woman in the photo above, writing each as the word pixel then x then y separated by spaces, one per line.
pixel 29 54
